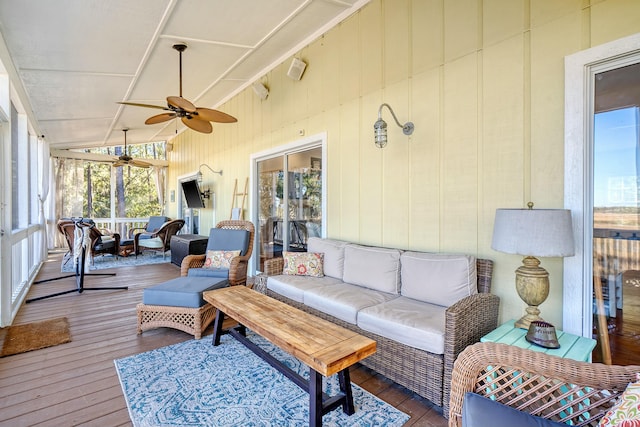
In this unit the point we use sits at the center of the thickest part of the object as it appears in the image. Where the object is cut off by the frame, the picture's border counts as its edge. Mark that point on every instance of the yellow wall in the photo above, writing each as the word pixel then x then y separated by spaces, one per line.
pixel 483 81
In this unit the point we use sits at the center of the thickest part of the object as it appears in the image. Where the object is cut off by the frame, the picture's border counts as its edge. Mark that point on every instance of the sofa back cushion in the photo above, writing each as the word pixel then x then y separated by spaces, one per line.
pixel 438 278
pixel 333 250
pixel 372 267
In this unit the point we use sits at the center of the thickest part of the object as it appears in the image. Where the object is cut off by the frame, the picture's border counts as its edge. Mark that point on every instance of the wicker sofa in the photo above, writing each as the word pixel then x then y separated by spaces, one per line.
pixel 351 282
pixel 550 387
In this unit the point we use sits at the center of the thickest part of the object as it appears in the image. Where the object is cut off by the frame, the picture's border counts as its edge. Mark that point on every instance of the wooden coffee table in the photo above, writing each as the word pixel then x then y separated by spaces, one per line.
pixel 324 347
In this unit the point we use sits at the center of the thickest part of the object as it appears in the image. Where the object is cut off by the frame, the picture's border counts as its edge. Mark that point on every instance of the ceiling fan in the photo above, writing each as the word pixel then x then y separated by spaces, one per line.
pixel 196 118
pixel 126 159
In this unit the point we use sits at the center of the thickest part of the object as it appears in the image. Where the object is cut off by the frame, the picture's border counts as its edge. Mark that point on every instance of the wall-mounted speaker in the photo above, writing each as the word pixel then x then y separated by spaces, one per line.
pixel 296 69
pixel 260 90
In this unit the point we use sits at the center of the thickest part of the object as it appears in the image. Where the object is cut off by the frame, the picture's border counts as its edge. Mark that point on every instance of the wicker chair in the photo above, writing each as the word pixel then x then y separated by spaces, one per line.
pixel 159 240
pixel 102 242
pixel 238 268
pixel 547 386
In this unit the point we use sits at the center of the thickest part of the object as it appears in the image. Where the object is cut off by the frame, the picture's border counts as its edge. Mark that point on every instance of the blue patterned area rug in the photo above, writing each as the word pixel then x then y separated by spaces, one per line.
pixel 196 384
pixel 109 261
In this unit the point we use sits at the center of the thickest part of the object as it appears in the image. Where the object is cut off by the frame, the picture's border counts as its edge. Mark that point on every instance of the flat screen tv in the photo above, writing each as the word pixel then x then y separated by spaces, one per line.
pixel 191 191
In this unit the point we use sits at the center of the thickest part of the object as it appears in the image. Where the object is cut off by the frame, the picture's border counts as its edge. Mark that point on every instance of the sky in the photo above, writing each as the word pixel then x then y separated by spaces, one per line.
pixel 616 158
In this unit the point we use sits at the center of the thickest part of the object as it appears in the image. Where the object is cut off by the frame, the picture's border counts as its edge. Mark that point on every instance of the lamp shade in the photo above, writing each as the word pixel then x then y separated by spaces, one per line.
pixel 533 232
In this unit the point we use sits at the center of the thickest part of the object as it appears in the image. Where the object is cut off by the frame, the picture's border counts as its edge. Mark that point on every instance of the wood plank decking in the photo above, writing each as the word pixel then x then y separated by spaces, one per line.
pixel 76 383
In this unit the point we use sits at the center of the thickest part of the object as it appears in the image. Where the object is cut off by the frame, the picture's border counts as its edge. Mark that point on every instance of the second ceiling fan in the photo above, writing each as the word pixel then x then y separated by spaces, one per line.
pixel 196 118
pixel 126 160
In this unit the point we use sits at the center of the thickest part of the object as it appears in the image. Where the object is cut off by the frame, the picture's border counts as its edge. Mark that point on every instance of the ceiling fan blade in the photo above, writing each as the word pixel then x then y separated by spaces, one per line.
pixel 180 102
pixel 164 117
pixel 119 163
pixel 139 163
pixel 214 116
pixel 137 104
pixel 198 125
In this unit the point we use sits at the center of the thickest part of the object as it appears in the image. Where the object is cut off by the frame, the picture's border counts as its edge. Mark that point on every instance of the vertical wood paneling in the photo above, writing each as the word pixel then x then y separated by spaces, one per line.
pixel 397 22
pixel 460 28
pixel 424 162
pixel 395 157
pixel 350 59
pixel 427 42
pixel 370 195
pixel 371 39
pixel 502 19
pixel 548 43
pixel 350 173
pixel 460 154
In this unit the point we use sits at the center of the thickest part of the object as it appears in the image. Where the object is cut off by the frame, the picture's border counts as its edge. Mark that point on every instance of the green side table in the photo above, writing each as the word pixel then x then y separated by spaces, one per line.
pixel 571 346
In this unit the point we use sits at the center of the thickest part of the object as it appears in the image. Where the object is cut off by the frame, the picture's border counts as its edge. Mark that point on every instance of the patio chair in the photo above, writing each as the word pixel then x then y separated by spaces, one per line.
pixel 534 383
pixel 154 224
pixel 159 240
pixel 227 236
pixel 102 241
pixel 188 311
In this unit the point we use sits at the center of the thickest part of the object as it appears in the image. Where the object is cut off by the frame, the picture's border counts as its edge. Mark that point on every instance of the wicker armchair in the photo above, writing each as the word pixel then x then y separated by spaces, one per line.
pixel 102 241
pixel 159 240
pixel 547 386
pixel 238 268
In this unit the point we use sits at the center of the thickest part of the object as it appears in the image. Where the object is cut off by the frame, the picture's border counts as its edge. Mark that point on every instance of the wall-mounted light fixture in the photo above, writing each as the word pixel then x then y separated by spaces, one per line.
pixel 380 127
pixel 206 193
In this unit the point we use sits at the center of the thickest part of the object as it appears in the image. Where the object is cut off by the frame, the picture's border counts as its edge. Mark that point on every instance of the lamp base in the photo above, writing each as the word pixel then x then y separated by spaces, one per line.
pixel 532 316
pixel 532 284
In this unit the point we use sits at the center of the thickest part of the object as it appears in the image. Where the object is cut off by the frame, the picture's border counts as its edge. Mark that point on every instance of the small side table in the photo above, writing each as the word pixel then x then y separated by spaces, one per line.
pixel 571 346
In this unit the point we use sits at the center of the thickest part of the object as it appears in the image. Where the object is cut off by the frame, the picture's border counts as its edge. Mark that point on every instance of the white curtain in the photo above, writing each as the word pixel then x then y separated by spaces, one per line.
pixel 67 174
pixel 159 176
pixel 43 192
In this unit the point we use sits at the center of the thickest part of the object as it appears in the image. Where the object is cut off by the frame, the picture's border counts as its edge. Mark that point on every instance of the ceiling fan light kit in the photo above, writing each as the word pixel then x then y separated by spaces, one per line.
pixel 196 118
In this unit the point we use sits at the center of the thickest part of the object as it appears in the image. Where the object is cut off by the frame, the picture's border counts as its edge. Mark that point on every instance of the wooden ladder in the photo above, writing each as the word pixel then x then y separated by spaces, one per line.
pixel 234 201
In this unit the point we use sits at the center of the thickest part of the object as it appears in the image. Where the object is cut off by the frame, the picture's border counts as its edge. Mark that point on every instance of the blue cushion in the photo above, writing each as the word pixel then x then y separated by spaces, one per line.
pixel 208 272
pixel 478 411
pixel 155 222
pixel 182 291
pixel 222 239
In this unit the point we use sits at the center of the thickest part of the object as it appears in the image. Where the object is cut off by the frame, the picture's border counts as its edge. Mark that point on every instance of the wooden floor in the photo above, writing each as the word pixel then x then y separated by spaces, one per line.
pixel 76 383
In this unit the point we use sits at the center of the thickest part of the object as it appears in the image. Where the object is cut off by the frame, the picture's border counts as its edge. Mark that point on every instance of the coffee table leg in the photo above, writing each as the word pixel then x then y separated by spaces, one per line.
pixel 315 399
pixel 217 327
pixel 345 386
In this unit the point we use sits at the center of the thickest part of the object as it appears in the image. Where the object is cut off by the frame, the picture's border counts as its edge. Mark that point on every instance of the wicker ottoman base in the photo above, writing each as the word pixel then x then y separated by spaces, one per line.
pixel 193 321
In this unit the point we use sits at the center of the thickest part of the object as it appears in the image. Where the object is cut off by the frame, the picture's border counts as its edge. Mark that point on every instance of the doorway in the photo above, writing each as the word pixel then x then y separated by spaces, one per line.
pixel 602 189
pixel 289 202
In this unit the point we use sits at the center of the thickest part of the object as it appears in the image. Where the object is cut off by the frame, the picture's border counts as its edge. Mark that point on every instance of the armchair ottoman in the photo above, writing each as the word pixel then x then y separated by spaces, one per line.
pixel 178 304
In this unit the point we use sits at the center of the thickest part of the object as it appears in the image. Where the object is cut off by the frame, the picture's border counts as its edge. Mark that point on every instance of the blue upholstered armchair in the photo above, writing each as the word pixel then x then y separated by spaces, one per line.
pixel 154 224
pixel 231 235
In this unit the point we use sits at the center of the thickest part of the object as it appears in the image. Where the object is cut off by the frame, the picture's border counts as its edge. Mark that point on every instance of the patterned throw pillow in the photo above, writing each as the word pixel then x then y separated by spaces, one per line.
pixel 625 413
pixel 303 264
pixel 219 259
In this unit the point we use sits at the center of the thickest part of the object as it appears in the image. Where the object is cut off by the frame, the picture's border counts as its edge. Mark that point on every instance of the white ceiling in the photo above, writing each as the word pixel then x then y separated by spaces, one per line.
pixel 77 58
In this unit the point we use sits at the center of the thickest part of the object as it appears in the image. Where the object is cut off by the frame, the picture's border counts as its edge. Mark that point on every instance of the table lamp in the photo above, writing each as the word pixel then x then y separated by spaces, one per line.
pixel 533 233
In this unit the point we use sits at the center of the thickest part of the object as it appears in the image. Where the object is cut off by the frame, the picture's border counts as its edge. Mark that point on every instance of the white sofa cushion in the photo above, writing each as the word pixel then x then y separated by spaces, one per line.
pixel 438 278
pixel 293 287
pixel 372 267
pixel 344 301
pixel 407 321
pixel 333 251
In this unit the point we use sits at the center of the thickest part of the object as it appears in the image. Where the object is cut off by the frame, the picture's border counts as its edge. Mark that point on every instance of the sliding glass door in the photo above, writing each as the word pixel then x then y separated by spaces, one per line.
pixel 289 201
pixel 616 214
